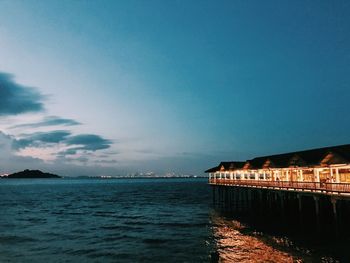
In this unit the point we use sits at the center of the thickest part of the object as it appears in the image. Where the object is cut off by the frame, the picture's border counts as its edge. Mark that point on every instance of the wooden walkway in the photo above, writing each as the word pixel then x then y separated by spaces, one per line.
pixel 326 188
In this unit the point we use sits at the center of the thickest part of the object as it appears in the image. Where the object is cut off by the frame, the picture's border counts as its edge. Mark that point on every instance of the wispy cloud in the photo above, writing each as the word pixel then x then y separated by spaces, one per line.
pixel 81 142
pixel 48 121
pixel 50 145
pixel 11 162
pixel 106 161
pixel 40 139
pixel 16 99
pixel 86 142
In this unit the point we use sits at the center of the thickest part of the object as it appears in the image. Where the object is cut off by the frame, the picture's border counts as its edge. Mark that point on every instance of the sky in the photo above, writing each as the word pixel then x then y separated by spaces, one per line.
pixel 117 87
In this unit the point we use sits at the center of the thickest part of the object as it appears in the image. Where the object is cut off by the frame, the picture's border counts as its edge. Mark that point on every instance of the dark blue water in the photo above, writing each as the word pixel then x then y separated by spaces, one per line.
pixel 134 220
pixel 105 220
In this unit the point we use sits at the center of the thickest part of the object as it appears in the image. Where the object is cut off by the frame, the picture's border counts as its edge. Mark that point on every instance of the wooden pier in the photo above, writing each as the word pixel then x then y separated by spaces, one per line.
pixel 337 189
pixel 308 188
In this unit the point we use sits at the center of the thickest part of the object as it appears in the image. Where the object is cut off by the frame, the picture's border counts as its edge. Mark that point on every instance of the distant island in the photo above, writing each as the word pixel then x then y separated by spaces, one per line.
pixel 27 174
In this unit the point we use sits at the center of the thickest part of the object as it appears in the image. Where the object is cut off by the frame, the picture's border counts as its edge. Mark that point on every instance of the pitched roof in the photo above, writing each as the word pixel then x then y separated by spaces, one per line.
pixel 226 166
pixel 301 158
pixel 212 170
pixel 231 165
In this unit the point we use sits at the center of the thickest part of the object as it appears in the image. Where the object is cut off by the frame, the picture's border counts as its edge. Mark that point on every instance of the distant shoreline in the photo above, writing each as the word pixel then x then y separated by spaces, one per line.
pixel 106 177
pixel 134 177
pixel 31 174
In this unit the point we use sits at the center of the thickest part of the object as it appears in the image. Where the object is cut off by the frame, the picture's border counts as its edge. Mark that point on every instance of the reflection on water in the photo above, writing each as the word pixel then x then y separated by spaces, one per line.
pixel 237 242
pixel 151 220
pixel 233 245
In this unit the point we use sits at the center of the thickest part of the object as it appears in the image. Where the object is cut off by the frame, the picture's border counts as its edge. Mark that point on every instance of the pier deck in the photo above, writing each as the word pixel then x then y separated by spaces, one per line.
pixel 339 189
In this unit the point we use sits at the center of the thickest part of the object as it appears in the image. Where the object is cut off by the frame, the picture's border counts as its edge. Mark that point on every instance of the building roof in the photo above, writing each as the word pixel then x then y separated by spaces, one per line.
pixel 226 166
pixel 212 170
pixel 231 165
pixel 313 157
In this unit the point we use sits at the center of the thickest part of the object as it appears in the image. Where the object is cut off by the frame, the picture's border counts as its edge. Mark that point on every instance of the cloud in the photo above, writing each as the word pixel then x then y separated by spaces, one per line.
pixel 86 142
pixel 70 151
pixel 79 165
pixel 90 142
pixel 44 149
pixel 82 142
pixel 5 143
pixel 106 161
pixel 48 121
pixel 39 139
pixel 16 99
pixel 9 161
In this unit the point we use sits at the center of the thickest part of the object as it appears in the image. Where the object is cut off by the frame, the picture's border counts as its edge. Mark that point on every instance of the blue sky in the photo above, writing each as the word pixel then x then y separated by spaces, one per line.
pixel 108 87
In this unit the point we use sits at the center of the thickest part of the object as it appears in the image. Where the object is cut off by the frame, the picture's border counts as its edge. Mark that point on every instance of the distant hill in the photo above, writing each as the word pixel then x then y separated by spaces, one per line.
pixel 32 174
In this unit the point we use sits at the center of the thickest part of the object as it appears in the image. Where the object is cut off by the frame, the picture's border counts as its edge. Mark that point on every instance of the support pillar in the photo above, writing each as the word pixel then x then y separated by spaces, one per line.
pixel 281 195
pixel 300 208
pixel 242 199
pixel 232 192
pixel 237 199
pixel 282 201
pixel 335 216
pixel 250 206
pixel 214 192
pixel 221 196
pixel 317 212
pixel 260 201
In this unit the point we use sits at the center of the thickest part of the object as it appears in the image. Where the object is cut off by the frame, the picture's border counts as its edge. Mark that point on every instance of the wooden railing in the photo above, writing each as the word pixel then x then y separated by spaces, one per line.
pixel 287 185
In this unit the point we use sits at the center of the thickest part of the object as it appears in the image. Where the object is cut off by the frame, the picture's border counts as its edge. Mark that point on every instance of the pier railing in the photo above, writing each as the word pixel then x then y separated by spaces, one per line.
pixel 287 185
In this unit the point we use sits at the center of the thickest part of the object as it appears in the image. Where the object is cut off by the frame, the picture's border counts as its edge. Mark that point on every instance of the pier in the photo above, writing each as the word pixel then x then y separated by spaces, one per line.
pixel 306 189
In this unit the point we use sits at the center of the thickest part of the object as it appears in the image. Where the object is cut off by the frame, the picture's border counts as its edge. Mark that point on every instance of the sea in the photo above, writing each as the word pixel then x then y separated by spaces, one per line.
pixel 135 220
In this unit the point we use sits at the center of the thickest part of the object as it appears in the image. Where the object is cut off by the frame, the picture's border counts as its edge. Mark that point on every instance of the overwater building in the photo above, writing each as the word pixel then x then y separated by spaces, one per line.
pixel 306 188
pixel 325 168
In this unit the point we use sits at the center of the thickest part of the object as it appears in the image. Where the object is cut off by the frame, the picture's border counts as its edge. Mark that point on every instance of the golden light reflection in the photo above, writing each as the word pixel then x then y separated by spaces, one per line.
pixel 234 246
